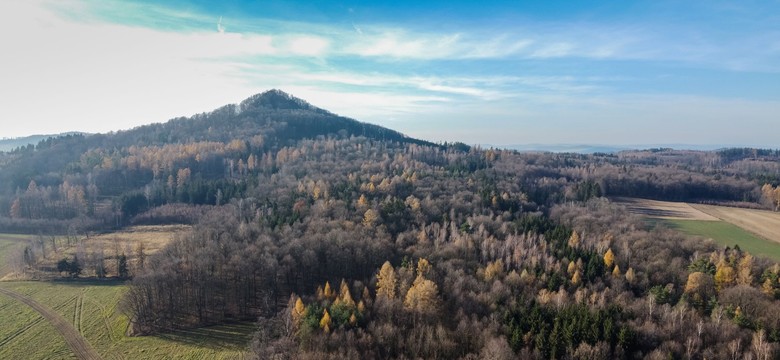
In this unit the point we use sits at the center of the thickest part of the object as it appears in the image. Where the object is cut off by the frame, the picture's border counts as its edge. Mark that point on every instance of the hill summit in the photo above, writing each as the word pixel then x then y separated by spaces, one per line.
pixel 278 100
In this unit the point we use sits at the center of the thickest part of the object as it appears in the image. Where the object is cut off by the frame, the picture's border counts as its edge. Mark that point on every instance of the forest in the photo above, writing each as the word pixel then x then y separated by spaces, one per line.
pixel 348 240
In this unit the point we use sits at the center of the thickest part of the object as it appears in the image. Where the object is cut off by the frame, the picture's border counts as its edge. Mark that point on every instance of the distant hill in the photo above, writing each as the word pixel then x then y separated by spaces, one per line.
pixel 607 149
pixel 275 117
pixel 10 144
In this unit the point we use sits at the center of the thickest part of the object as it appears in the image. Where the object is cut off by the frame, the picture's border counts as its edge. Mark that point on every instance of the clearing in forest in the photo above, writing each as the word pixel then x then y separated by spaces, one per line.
pixel 756 231
pixel 763 223
pixel 664 209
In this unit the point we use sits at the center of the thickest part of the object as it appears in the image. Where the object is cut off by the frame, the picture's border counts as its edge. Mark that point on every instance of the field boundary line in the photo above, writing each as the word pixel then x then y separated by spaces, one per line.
pixel 80 346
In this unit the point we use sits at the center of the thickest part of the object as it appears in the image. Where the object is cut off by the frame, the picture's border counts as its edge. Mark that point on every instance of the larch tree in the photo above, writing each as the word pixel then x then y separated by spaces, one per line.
pixel 422 297
pixel 370 218
pixel 299 310
pixel 630 275
pixel 327 292
pixel 386 281
pixel 745 270
pixel 574 239
pixel 344 296
pixel 616 271
pixel 423 267
pixel 700 287
pixel 725 275
pixel 609 258
pixel 576 278
pixel 16 209
pixel 325 321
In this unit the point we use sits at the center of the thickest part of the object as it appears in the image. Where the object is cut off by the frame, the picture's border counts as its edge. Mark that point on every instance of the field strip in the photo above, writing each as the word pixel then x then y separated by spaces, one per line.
pixel 663 209
pixel 765 224
pixel 81 348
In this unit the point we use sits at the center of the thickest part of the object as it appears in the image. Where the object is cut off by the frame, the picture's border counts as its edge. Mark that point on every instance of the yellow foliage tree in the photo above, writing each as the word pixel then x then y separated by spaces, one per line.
pixel 353 320
pixel 362 201
pixel 745 270
pixel 325 321
pixel 574 239
pixel 725 275
pixel 630 276
pixel 423 267
pixel 609 258
pixel 327 292
pixel 616 271
pixel 768 287
pixel 576 278
pixel 370 217
pixel 422 297
pixel 571 268
pixel 494 269
pixel 344 296
pixel 386 280
pixel 298 311
pixel 700 287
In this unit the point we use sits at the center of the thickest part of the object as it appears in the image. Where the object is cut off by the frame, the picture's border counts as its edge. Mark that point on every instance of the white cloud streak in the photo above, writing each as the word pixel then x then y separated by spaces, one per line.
pixel 62 74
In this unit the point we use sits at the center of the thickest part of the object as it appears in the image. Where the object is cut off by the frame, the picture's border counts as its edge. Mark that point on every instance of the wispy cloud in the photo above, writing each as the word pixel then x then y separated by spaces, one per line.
pixel 105 65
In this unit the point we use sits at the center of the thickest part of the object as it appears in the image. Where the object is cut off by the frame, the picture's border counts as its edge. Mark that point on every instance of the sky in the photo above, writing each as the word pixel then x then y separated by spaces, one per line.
pixel 703 72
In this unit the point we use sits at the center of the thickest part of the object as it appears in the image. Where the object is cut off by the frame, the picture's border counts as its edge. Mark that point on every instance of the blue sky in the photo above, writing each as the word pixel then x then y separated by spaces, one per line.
pixel 494 72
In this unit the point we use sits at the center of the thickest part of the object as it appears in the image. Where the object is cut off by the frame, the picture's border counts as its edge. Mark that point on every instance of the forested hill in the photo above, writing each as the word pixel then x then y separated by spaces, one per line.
pixel 270 120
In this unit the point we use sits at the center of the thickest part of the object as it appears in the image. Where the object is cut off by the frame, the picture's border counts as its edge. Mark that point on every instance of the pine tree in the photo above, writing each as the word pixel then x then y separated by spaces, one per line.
pixel 121 268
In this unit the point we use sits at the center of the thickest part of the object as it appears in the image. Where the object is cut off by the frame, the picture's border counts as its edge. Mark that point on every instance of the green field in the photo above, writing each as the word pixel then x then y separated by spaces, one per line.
pixel 25 334
pixel 726 234
pixel 93 309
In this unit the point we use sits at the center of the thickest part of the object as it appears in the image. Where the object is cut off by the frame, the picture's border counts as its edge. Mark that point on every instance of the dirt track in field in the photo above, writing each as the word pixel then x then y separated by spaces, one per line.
pixel 765 224
pixel 664 209
pixel 81 348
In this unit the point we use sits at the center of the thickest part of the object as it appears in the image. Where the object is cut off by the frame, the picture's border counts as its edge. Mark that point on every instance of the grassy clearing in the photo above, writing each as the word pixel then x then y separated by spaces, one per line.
pixel 93 308
pixel 726 234
pixel 765 224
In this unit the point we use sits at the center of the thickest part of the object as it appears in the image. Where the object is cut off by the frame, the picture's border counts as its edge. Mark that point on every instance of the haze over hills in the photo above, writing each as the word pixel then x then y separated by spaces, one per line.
pixel 8 144
pixel 594 148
